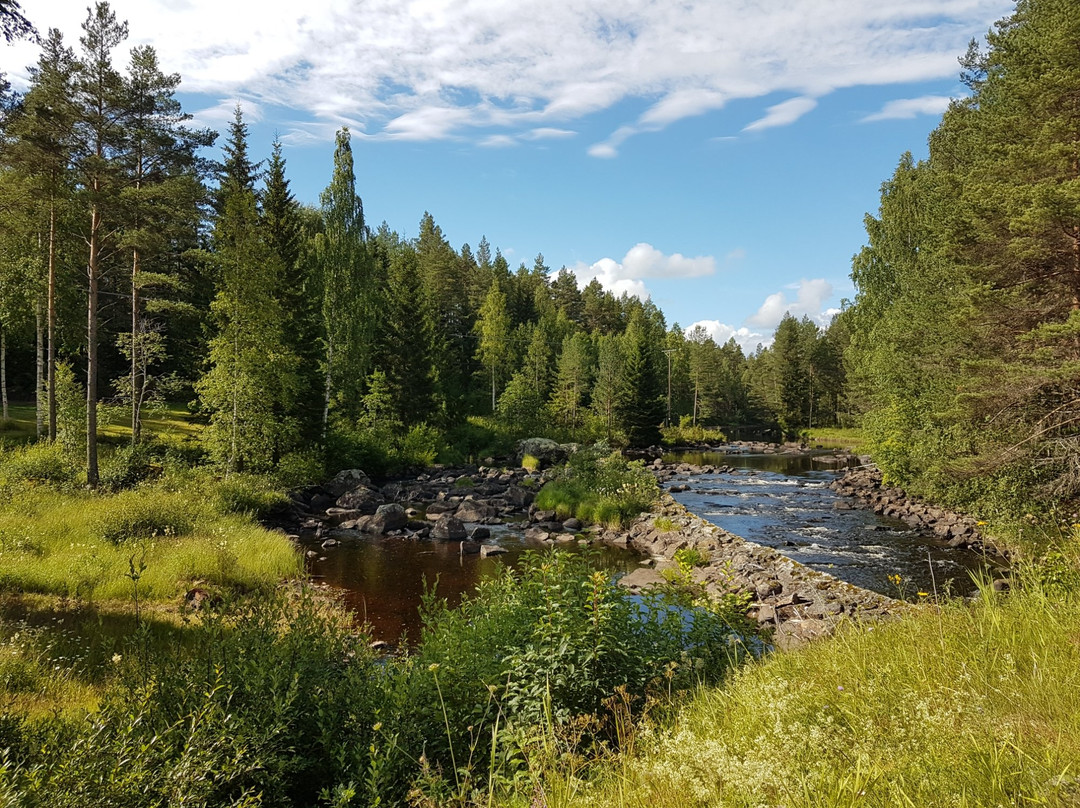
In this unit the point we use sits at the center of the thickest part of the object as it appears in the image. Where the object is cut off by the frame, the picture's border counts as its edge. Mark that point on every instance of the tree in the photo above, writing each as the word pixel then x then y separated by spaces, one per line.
pixel 344 273
pixel 13 24
pixel 494 328
pixel 251 386
pixel 573 374
pixel 608 385
pixel 161 201
pixel 641 403
pixel 42 150
pixel 102 117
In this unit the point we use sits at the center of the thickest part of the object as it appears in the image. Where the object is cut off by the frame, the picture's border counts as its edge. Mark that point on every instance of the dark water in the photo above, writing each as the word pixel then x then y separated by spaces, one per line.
pixel 784 502
pixel 382 579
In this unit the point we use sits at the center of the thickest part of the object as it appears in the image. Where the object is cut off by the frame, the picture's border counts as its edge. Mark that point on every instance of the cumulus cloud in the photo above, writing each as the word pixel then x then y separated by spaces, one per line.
pixel 746 338
pixel 910 108
pixel 782 114
pixel 810 297
pixel 437 69
pixel 642 261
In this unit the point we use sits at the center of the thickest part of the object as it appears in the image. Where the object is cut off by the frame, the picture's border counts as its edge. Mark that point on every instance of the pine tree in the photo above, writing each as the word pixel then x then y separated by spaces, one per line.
pixel 641 403
pixel 573 375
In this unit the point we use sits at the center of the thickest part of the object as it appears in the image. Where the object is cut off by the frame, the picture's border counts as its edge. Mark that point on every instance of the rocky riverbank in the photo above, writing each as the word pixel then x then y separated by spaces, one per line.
pixel 865 488
pixel 796 603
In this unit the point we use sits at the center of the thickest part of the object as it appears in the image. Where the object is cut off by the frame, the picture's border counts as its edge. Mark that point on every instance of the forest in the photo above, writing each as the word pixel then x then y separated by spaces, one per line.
pixel 139 270
pixel 185 348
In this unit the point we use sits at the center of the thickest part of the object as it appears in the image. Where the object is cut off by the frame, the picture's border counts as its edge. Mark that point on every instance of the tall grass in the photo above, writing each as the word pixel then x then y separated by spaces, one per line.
pixel 599 487
pixel 972 704
pixel 77 544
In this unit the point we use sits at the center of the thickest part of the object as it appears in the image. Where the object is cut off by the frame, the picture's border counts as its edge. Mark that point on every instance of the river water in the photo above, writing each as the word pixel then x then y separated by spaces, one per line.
pixel 784 502
pixel 781 501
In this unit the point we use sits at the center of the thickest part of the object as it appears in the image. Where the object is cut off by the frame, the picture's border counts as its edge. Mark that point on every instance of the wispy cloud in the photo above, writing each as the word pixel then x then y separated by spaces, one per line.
pixel 782 114
pixel 436 69
pixel 745 338
pixel 910 108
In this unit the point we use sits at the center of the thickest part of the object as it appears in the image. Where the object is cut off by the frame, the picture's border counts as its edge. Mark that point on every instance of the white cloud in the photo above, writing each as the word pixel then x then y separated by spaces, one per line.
pixel 810 296
pixel 746 338
pixel 548 133
pixel 498 141
pixel 451 68
pixel 640 262
pixel 782 114
pixel 910 108
pixel 738 254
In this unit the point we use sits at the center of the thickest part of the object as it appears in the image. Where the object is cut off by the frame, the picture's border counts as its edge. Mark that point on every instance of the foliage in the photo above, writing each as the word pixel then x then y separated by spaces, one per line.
pixel 964 704
pixel 597 486
pixel 686 434
pixel 247 494
pixel 37 463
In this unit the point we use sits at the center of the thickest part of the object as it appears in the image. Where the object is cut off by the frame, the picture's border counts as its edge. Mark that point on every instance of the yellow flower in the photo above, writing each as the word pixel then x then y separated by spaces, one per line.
pixel 924 594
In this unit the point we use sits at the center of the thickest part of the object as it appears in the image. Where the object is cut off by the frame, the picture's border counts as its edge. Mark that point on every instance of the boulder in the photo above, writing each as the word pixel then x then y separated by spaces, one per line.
pixel 492 550
pixel 448 528
pixel 346 480
pixel 545 450
pixel 387 518
pixel 479 533
pixel 365 500
pixel 473 511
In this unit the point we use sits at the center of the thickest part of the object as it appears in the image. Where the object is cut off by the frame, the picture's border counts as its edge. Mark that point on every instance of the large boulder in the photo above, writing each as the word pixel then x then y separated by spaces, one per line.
pixel 473 511
pixel 545 450
pixel 365 500
pixel 346 480
pixel 387 518
pixel 449 528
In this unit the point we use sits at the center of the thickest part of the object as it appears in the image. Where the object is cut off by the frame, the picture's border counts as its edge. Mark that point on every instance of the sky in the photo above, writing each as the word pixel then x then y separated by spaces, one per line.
pixel 717 156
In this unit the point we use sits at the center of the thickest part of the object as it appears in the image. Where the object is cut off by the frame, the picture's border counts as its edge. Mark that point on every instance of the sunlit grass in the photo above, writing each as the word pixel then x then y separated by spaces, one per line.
pixel 978 704
pixel 835 438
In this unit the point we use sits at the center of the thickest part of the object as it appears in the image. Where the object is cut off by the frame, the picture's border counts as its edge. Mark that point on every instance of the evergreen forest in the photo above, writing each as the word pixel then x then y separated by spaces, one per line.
pixel 190 357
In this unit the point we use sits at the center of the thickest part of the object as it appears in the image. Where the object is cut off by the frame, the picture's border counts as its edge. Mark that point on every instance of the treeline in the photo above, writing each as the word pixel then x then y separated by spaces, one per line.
pixel 134 269
pixel 965 331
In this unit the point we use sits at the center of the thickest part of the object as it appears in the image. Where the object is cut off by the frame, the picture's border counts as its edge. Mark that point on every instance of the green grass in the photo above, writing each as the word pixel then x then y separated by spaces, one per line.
pixel 185 529
pixel 834 438
pixel 975 705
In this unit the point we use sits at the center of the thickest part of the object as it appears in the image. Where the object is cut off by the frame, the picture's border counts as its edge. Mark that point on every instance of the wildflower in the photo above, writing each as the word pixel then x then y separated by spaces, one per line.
pixel 116 659
pixel 924 594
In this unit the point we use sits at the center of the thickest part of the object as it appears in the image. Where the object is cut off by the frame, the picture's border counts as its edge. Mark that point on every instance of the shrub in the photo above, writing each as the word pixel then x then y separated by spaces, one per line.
pixel 38 463
pixel 136 515
pixel 247 494
pixel 419 446
pixel 687 433
pixel 597 486
pixel 127 466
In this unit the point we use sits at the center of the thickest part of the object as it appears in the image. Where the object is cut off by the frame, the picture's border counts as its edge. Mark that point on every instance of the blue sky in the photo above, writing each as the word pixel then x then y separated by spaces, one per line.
pixel 718 155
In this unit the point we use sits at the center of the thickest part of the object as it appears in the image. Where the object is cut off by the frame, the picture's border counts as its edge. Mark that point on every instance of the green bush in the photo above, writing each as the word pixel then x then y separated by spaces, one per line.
pixel 597 486
pixel 138 515
pixel 128 465
pixel 38 463
pixel 247 494
pixel 686 433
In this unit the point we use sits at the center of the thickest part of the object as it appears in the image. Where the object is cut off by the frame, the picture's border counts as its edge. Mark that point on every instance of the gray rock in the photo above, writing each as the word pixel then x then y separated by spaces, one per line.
pixel 492 550
pixel 473 511
pixel 572 524
pixel 345 481
pixel 470 547
pixel 365 500
pixel 448 528
pixel 387 518
pixel 479 533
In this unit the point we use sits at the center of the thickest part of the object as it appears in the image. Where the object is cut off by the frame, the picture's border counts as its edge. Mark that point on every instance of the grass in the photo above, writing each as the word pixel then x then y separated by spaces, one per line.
pixel 168 421
pixel 976 704
pixel 835 438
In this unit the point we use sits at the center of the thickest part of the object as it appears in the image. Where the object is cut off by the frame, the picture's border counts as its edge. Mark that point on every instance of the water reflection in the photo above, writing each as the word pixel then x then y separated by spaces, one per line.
pixel 382 579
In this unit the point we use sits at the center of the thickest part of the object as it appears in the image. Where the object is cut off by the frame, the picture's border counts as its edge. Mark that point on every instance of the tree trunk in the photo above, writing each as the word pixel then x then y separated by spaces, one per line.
pixel 39 375
pixel 50 365
pixel 136 381
pixel 326 397
pixel 92 271
pixel 3 372
pixel 493 387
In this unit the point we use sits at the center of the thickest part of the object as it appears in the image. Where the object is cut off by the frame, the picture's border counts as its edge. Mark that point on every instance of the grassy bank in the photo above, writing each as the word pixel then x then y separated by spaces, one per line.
pixel 972 704
pixel 598 487
pixel 834 438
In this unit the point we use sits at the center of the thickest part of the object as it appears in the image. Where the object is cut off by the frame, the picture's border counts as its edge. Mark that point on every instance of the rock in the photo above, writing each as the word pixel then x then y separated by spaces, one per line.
pixel 641 578
pixel 365 500
pixel 479 533
pixel 337 516
pixel 345 481
pixel 387 518
pixel 543 516
pixel 492 550
pixel 448 528
pixel 766 613
pixel 473 511
pixel 439 508
pixel 330 543
pixel 1000 585
pixel 470 547
pixel 572 524
pixel 547 451
pixel 536 534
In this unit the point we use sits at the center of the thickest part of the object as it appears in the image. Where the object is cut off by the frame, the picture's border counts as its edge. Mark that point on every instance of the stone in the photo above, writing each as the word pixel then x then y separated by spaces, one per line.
pixel 345 481
pixel 479 533
pixel 365 500
pixel 448 528
pixel 337 516
pixel 536 534
pixel 387 518
pixel 470 548
pixel 545 450
pixel 473 511
pixel 572 524
pixel 492 550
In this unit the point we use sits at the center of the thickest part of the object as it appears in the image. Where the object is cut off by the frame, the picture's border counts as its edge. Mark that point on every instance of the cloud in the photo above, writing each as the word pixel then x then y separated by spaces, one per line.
pixel 746 338
pixel 738 254
pixel 498 142
pixel 640 262
pixel 782 114
pixel 910 108
pixel 548 133
pixel 449 69
pixel 810 296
